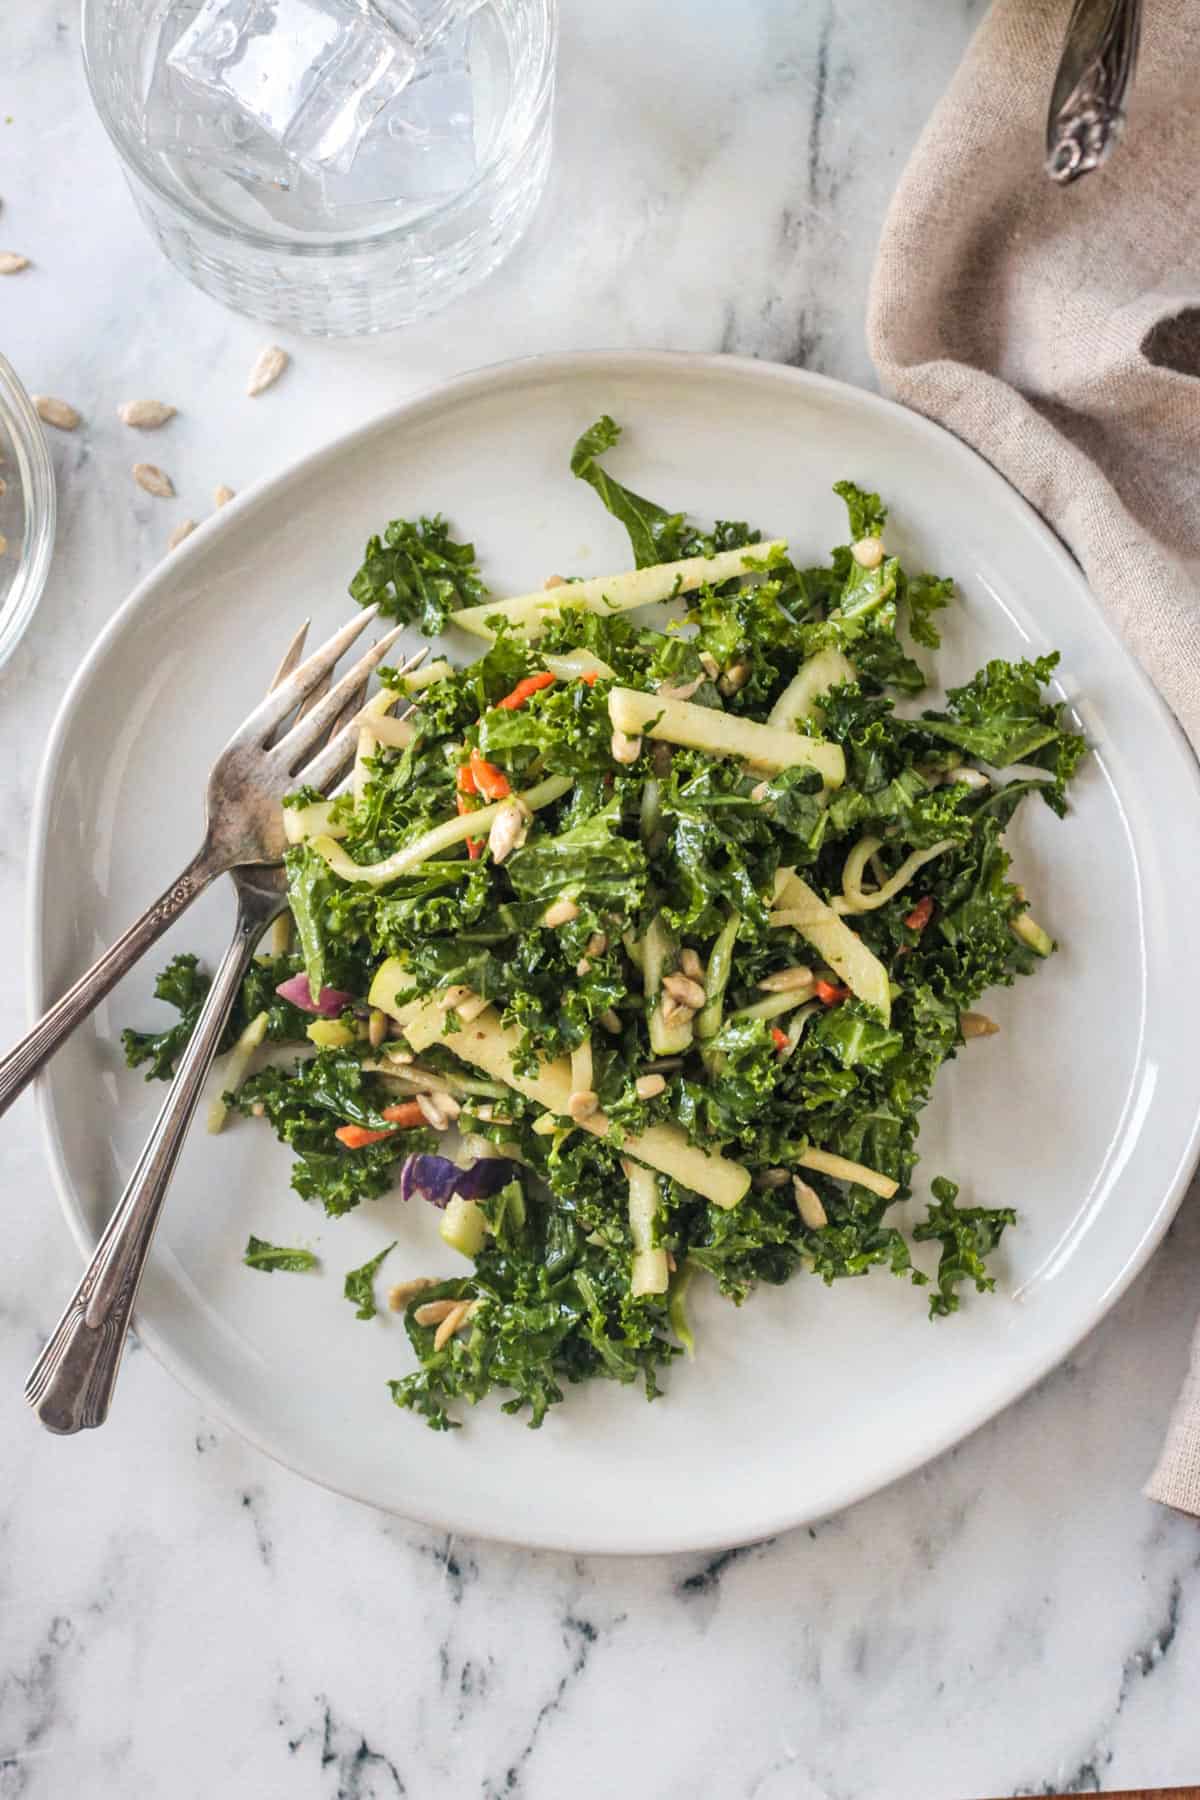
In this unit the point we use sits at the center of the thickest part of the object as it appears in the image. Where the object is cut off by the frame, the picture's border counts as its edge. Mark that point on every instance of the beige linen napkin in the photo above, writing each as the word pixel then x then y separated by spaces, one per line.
pixel 1058 331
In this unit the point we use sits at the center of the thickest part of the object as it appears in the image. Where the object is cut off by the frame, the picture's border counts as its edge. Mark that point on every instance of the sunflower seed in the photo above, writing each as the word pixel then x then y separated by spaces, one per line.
pixel 553 581
pixel 269 365
pixel 690 963
pixel 222 495
pixel 12 262
pixel 404 1291
pixel 583 1104
pixel 431 1112
pixel 376 1028
pixel 867 553
pixel 684 991
pixel 58 413
pixel 647 1087
pixel 626 749
pixel 434 1311
pixel 509 830
pixel 560 913
pixel 453 1323
pixel 667 691
pixel 808 1205
pixel 3 543
pixel 787 981
pixel 974 1025
pixel 469 1010
pixel 145 415
pixel 611 1022
pixel 153 481
pixel 3 487
pixel 184 529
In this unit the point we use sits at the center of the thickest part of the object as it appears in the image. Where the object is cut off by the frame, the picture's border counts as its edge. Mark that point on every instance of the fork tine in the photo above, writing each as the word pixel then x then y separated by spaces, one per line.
pixel 291 657
pixel 307 733
pixel 335 759
pixel 270 713
pixel 315 698
pixel 351 708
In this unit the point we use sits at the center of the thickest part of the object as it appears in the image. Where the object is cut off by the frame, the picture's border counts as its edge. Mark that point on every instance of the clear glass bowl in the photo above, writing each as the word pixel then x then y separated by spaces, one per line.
pixel 316 276
pixel 27 510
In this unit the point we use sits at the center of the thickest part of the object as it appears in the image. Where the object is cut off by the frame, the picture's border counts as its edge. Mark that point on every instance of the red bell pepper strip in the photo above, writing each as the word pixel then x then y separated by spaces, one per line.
pixel 525 690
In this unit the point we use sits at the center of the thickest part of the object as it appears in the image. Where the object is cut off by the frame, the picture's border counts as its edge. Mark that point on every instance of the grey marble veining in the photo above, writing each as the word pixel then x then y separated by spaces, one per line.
pixel 179 1617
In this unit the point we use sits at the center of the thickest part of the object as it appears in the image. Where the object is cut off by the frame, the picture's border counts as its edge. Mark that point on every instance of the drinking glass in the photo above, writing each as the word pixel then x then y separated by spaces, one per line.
pixel 333 166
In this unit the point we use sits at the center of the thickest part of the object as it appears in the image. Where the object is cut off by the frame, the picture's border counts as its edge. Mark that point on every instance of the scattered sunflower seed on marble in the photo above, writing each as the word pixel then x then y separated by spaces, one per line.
pixel 269 365
pixel 58 413
pixel 12 262
pixel 3 543
pixel 154 481
pixel 184 529
pixel 145 415
pixel 223 495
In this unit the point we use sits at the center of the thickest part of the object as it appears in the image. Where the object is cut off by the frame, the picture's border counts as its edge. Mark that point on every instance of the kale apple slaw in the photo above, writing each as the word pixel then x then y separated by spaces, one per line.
pixel 636 950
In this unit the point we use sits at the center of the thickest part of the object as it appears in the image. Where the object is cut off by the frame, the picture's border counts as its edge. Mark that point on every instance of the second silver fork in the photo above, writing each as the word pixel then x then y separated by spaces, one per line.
pixel 71 1385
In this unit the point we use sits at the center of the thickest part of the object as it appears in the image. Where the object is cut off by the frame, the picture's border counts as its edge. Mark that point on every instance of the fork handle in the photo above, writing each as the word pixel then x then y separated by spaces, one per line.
pixel 71 1384
pixel 35 1049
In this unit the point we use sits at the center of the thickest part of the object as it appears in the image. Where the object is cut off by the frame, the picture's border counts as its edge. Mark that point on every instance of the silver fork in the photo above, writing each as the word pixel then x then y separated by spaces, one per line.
pixel 72 1382
pixel 243 826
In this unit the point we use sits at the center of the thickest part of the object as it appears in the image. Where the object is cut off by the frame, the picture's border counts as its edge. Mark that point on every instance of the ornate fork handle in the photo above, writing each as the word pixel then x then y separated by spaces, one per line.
pixel 71 1384
pixel 1087 107
pixel 36 1048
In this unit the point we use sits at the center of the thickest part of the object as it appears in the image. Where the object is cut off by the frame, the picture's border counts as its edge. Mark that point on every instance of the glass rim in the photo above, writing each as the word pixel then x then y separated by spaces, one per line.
pixel 40 506
pixel 134 160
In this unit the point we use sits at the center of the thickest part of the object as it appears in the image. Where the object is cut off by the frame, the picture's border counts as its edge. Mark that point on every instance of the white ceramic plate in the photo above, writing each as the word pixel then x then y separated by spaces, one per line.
pixel 1083 1112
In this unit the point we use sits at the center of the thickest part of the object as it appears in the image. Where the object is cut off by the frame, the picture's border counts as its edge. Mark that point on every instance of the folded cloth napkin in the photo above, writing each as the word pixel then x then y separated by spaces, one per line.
pixel 1057 330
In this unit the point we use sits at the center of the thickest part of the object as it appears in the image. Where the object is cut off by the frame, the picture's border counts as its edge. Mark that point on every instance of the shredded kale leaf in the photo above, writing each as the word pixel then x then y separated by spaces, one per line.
pixel 1002 718
pixel 967 1234
pixel 183 985
pixel 551 1307
pixel 416 572
pixel 259 1254
pixel 305 1106
pixel 655 535
pixel 359 1286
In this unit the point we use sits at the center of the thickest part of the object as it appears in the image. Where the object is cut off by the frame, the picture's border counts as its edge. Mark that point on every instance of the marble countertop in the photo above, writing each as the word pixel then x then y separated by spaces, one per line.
pixel 179 1617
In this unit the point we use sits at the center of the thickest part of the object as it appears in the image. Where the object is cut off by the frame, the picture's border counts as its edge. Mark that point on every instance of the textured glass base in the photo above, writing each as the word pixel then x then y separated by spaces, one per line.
pixel 375 285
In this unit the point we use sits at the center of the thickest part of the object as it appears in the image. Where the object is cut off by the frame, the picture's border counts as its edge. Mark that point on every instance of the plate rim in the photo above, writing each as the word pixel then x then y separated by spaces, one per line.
pixel 470 384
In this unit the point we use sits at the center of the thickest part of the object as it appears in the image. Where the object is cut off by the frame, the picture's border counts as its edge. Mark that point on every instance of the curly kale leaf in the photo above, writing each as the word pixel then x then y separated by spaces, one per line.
pixel 183 985
pixel 718 848
pixel 1002 718
pixel 867 513
pixel 567 724
pixel 592 862
pixel 305 1106
pixel 416 571
pixel 925 596
pixel 551 1307
pixel 655 535
pixel 270 1257
pixel 968 1235
pixel 359 1286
